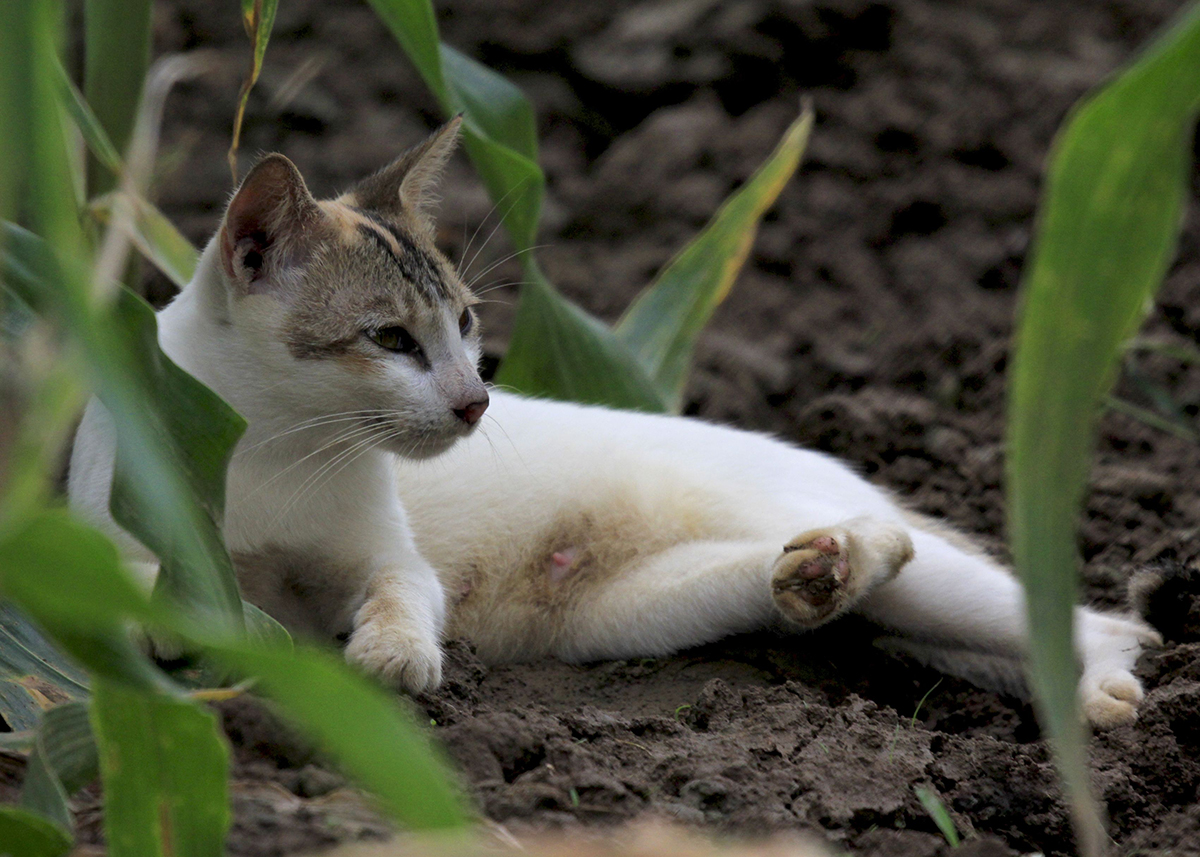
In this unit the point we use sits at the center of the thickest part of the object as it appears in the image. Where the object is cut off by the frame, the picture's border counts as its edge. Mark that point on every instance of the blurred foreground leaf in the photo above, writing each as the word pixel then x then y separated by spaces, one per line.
pixel 180 433
pixel 23 834
pixel 116 56
pixel 165 766
pixel 1107 229
pixel 34 674
pixel 69 576
pixel 153 235
pixel 63 761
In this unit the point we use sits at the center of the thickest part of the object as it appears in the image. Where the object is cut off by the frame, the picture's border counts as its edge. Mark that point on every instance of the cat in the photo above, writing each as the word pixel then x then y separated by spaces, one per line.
pixel 364 504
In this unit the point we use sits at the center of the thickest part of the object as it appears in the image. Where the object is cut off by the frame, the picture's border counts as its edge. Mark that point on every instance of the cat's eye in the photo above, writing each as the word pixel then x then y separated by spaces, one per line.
pixel 466 321
pixel 395 339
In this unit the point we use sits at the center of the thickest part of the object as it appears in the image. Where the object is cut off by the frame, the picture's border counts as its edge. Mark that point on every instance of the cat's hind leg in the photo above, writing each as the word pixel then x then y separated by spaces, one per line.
pixel 700 591
pixel 954 597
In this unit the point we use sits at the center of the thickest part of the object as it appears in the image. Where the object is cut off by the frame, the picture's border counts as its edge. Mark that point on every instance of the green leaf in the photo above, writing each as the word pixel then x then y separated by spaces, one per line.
pixel 63 761
pixel 165 766
pixel 116 56
pixel 937 811
pixel 500 136
pixel 23 834
pixel 1107 230
pixel 561 352
pixel 153 235
pixel 179 433
pixel 358 724
pixel 87 122
pixel 34 674
pixel 662 324
pixel 258 18
pixel 67 575
pixel 497 107
pixel 16 92
pixel 69 579
pixel 199 431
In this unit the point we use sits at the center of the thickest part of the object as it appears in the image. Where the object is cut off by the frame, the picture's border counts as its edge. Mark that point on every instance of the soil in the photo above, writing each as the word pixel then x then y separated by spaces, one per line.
pixel 872 321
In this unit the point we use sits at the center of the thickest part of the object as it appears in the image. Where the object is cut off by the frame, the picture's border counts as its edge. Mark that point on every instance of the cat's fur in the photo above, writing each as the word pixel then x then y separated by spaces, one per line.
pixel 573 531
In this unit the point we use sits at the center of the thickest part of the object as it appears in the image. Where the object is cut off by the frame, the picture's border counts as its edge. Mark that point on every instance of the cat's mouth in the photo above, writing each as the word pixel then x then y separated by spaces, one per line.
pixel 417 443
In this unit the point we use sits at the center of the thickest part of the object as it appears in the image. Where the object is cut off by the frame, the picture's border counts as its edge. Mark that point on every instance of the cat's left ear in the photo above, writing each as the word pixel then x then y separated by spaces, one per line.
pixel 409 184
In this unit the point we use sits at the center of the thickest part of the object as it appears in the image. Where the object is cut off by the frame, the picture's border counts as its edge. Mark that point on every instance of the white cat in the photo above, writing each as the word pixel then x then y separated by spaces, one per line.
pixel 349 344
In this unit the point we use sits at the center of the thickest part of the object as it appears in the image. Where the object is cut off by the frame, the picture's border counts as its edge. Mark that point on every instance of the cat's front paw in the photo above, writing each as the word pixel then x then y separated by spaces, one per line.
pixel 822 573
pixel 397 656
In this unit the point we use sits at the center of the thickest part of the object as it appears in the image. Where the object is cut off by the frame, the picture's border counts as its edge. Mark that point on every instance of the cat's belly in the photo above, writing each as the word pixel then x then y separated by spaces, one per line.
pixel 549 500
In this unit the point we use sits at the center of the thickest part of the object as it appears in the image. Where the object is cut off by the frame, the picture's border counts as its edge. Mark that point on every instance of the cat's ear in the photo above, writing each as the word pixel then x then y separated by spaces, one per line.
pixel 268 226
pixel 409 183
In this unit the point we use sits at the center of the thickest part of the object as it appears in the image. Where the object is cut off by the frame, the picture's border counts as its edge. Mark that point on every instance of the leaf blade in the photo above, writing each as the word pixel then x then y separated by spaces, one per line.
pixel 1107 226
pixel 165 767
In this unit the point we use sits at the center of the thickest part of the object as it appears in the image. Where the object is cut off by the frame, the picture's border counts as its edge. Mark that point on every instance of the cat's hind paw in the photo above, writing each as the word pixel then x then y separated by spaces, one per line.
pixel 822 573
pixel 399 658
pixel 810 578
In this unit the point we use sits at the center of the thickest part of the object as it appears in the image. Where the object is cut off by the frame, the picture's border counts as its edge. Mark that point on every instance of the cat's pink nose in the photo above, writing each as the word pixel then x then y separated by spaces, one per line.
pixel 471 412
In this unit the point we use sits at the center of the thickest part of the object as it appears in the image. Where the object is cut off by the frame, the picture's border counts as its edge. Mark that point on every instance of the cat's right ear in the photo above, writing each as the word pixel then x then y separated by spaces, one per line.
pixel 268 226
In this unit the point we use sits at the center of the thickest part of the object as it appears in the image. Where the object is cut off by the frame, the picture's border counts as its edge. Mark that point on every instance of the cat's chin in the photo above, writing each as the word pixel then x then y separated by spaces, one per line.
pixel 424 448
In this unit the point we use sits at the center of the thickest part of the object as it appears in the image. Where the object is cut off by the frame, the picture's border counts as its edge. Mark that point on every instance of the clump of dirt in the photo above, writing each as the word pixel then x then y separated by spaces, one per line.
pixel 872 321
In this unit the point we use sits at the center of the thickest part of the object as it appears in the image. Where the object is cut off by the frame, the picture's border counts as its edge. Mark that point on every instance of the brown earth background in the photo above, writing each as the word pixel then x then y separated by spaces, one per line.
pixel 872 321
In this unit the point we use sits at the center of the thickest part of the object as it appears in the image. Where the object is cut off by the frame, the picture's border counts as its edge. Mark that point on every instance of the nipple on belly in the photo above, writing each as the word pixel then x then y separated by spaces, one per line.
pixel 561 564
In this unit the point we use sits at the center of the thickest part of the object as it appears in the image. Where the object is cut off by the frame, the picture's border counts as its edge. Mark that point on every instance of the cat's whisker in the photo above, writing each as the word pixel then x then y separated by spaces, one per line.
pixel 466 270
pixel 346 436
pixel 498 284
pixel 314 422
pixel 362 448
pixel 470 283
pixel 482 223
pixel 312 478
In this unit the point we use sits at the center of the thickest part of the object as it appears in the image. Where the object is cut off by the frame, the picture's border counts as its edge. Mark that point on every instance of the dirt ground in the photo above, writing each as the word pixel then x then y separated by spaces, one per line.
pixel 872 321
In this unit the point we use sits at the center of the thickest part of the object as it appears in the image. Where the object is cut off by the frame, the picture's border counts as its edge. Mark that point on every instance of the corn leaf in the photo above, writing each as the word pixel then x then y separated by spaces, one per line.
pixel 1107 230
pixel 63 761
pixel 414 25
pixel 662 324
pixel 258 18
pixel 16 89
pixel 179 432
pixel 561 352
pixel 165 766
pixel 198 431
pixel 34 674
pixel 359 724
pixel 68 576
pixel 23 834
pixel 69 579
pixel 116 56
pixel 153 235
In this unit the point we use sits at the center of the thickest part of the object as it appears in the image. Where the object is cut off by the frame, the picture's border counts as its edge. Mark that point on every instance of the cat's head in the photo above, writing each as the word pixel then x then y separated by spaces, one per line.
pixel 347 306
